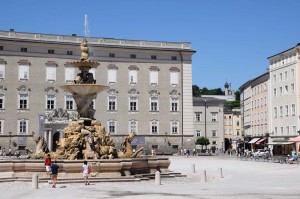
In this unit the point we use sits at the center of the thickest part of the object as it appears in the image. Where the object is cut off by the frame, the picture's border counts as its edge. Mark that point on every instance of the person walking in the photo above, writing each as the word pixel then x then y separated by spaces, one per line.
pixel 54 173
pixel 85 172
pixel 48 164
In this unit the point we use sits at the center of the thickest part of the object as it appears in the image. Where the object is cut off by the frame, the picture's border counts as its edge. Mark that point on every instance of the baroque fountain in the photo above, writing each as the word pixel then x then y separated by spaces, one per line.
pixel 86 138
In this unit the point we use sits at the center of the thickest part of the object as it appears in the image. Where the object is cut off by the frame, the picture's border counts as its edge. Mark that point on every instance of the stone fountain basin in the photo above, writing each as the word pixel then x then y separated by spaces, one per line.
pixel 84 89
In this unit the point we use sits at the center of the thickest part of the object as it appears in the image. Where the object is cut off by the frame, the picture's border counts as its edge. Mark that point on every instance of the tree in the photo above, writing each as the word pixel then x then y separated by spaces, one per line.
pixel 196 91
pixel 202 141
pixel 237 95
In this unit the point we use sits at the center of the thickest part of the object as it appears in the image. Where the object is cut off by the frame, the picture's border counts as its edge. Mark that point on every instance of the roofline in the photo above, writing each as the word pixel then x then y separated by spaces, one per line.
pixel 252 80
pixel 298 44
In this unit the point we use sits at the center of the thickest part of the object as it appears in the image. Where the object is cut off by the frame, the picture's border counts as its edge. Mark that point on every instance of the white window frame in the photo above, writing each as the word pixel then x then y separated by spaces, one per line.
pixel 112 76
pixel 154 104
pixel 23 122
pixel 133 126
pixel 293 107
pixel 174 127
pixel 2 71
pixel 69 74
pixel 174 76
pixel 24 97
pixel 69 101
pixel 153 76
pixel 154 125
pixel 23 72
pixel 48 99
pixel 198 116
pixel 198 133
pixel 2 97
pixel 286 110
pixel 174 104
pixel 112 124
pixel 132 76
pixel 216 133
pixel 51 73
pixel 112 103
pixel 133 99
pixel 214 116
pixel 1 127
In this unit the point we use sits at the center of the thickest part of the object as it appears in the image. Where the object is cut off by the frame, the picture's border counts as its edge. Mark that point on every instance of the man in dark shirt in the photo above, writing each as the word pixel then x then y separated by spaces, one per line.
pixel 54 172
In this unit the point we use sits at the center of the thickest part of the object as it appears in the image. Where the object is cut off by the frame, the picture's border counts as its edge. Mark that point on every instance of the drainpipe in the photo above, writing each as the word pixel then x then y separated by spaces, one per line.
pixel 181 62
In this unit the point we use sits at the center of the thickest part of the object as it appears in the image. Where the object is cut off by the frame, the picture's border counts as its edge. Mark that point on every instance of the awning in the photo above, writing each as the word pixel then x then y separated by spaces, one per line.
pixel 253 140
pixel 260 141
pixel 280 143
pixel 236 139
pixel 295 139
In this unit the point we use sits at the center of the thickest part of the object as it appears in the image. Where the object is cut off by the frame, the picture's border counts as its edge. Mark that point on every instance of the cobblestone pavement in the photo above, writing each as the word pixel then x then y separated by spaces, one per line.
pixel 242 179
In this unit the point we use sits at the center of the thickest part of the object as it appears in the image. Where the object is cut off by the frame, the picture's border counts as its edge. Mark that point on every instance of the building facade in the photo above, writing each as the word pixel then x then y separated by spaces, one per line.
pixel 232 127
pixel 150 89
pixel 209 120
pixel 254 108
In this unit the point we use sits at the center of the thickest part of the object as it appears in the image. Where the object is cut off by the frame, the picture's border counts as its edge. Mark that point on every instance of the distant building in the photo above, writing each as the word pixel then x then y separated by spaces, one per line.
pixel 229 94
pixel 232 126
pixel 209 120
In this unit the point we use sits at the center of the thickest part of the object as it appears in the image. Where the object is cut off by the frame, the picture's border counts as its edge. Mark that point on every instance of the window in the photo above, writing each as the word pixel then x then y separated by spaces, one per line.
pixel 50 51
pixel 153 103
pixel 174 104
pixel 23 101
pixel 23 49
pixel 292 73
pixel 69 52
pixel 292 88
pixel 69 102
pixel 174 58
pixel 23 72
pixel 111 54
pixel 51 73
pixel 1 126
pixel 174 78
pixel 198 116
pixel 154 77
pixel 112 103
pixel 133 126
pixel 132 56
pixel 275 130
pixel 214 116
pixel 50 102
pixel 23 126
pixel 293 109
pixel 274 92
pixel 154 125
pixel 286 90
pixel 281 111
pixel 287 130
pixel 198 133
pixel 2 97
pixel 214 142
pixel 112 76
pixel 274 78
pixel 280 91
pixel 286 110
pixel 285 75
pixel 132 76
pixel 1 48
pixel 112 126
pixel 69 74
pixel 214 133
pixel 153 57
pixel 133 103
pixel 294 130
pixel 281 130
pixel 280 76
pixel 2 71
pixel 237 123
pixel 175 127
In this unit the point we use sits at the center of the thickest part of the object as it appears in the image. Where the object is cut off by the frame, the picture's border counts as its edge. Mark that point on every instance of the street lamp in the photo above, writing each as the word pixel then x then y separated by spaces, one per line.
pixel 165 142
pixel 9 150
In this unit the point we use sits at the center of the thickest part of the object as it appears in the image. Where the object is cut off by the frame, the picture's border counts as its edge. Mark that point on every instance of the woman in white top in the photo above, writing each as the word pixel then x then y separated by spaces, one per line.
pixel 85 171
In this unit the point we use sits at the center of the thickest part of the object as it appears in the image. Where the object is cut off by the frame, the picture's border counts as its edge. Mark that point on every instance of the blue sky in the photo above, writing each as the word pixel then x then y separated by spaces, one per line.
pixel 233 38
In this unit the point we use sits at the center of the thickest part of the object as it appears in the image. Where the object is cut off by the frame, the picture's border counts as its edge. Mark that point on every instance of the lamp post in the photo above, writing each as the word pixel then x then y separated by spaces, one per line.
pixel 165 142
pixel 9 149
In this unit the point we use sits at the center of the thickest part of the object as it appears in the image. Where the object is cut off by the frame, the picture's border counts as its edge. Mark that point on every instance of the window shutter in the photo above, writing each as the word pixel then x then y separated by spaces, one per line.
pixel 174 78
pixel 153 77
pixel 112 75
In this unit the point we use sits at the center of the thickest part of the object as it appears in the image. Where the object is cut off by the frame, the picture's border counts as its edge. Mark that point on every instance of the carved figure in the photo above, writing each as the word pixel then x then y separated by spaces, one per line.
pixel 41 148
pixel 127 151
pixel 84 51
pixel 84 77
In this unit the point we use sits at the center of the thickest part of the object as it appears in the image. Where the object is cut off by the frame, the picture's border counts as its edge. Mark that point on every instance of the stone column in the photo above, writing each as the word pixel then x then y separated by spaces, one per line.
pixel 50 140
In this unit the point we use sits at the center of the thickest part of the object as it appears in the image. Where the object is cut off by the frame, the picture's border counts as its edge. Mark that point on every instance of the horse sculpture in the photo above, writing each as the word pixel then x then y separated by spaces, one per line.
pixel 127 151
pixel 41 148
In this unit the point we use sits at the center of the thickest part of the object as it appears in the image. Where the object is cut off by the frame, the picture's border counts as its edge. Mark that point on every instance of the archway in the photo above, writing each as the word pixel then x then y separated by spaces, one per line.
pixel 56 137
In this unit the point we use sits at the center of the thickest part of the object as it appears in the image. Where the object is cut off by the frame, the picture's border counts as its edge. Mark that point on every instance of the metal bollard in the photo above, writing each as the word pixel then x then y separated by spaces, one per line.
pixel 35 181
pixel 193 168
pixel 203 176
pixel 221 173
pixel 157 178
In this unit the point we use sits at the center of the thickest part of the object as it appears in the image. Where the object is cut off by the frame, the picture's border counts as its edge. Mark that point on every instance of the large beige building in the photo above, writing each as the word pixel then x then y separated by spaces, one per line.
pixel 150 89
pixel 254 109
